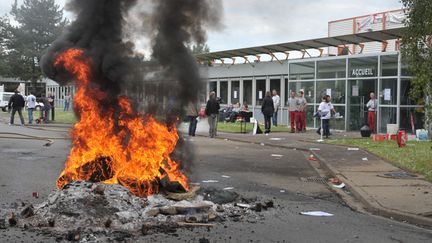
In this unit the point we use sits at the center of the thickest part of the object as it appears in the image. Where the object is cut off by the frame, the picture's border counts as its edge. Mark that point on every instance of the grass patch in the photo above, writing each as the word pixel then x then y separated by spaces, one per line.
pixel 63 117
pixel 235 127
pixel 415 157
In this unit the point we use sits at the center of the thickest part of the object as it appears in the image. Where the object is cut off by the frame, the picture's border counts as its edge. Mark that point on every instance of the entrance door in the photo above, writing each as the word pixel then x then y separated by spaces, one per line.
pixel 358 96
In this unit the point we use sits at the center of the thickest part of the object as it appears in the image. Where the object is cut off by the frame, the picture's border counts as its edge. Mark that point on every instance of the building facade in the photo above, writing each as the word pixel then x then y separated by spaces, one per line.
pixel 368 65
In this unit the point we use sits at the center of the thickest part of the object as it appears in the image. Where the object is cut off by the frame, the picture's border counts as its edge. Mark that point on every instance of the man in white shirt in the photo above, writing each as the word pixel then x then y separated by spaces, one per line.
pixel 372 106
pixel 325 109
pixel 31 105
pixel 276 104
pixel 293 104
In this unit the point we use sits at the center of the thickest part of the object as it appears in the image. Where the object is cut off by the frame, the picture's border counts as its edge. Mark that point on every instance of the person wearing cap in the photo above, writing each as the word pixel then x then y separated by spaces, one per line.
pixel 301 114
pixel 17 102
pixel 372 106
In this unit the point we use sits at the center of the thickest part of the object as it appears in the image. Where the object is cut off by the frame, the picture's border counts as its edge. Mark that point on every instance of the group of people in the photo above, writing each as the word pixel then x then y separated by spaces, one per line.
pixel 233 111
pixel 17 102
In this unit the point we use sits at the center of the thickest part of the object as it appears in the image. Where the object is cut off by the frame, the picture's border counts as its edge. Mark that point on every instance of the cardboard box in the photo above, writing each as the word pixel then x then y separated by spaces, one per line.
pixel 378 137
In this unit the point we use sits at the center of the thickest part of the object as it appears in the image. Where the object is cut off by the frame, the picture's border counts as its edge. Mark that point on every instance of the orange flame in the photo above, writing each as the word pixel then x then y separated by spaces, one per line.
pixel 129 150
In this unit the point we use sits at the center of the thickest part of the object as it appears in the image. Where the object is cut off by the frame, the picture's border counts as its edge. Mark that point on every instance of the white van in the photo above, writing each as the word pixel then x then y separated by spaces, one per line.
pixel 4 100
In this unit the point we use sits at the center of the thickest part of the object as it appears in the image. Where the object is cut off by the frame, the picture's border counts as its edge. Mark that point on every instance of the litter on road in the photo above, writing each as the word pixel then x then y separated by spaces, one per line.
pixel 210 181
pixel 317 214
pixel 312 158
pixel 225 176
pixel 353 149
pixel 365 159
pixel 314 149
pixel 276 139
pixel 340 186
pixel 228 188
pixel 262 144
pixel 282 191
pixel 277 155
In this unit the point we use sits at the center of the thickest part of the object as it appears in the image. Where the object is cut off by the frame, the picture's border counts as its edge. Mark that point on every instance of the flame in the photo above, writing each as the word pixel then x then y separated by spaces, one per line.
pixel 115 145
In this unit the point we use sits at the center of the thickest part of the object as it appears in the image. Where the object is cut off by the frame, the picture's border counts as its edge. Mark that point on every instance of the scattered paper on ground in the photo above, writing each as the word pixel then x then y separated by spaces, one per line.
pixel 317 214
pixel 210 181
pixel 340 186
pixel 314 149
pixel 282 191
pixel 353 149
pixel 228 188
pixel 276 139
pixel 277 155
pixel 225 176
pixel 365 159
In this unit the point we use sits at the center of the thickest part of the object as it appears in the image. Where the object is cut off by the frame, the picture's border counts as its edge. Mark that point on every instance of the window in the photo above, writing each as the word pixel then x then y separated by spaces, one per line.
pixel 363 67
pixel 247 92
pixel 235 92
pixel 389 65
pixel 331 69
pixel 406 98
pixel 388 116
pixel 412 116
pixel 275 85
pixel 213 87
pixel 336 89
pixel 260 91
pixel 301 71
pixel 308 88
pixel 388 95
pixel 224 92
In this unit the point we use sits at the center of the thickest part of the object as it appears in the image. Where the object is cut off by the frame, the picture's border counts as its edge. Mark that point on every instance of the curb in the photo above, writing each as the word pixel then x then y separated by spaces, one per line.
pixel 371 205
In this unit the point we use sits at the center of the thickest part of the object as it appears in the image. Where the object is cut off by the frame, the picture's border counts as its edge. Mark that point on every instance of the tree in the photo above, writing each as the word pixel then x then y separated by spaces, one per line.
pixel 39 23
pixel 417 52
pixel 199 49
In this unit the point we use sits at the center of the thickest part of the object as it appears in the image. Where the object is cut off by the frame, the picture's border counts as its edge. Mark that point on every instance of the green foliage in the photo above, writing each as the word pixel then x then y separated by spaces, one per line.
pixel 200 49
pixel 417 51
pixel 38 24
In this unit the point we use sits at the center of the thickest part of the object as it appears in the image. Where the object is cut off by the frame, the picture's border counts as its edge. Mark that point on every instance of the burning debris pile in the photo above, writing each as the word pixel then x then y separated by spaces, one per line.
pixel 85 211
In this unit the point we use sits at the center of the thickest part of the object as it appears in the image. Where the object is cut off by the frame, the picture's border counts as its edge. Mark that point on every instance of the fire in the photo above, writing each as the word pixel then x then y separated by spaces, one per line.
pixel 115 144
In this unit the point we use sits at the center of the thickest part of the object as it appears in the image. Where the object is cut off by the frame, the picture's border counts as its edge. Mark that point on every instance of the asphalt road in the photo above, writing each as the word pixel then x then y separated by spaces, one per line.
pixel 27 166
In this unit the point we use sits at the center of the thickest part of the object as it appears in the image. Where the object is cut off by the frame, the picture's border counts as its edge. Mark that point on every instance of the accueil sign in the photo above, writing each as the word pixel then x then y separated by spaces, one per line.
pixel 361 72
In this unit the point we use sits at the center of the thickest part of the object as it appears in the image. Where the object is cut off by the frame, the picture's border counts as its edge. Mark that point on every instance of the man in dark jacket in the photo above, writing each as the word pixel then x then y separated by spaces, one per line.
pixel 267 108
pixel 212 112
pixel 17 103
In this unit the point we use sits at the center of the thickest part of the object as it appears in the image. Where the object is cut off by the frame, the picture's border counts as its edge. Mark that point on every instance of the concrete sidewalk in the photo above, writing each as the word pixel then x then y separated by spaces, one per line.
pixel 364 174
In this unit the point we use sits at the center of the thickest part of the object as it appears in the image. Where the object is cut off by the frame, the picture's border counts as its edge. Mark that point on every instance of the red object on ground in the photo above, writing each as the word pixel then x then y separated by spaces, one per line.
pixel 371 121
pixel 35 195
pixel 312 158
pixel 392 137
pixel 378 137
pixel 401 138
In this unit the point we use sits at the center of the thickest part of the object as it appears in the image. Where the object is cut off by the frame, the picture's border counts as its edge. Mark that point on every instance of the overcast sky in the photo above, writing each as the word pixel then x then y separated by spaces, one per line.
pixel 259 22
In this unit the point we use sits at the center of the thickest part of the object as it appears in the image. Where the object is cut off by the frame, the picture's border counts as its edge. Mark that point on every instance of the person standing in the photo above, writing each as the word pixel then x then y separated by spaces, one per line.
pixel 31 105
pixel 293 108
pixel 51 102
pixel 325 109
pixel 67 100
pixel 16 102
pixel 192 113
pixel 301 118
pixel 372 106
pixel 276 104
pixel 46 109
pixel 212 112
pixel 268 109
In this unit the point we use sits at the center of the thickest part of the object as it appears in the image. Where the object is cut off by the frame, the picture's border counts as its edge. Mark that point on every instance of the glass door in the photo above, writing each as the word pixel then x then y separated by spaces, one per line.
pixel 358 96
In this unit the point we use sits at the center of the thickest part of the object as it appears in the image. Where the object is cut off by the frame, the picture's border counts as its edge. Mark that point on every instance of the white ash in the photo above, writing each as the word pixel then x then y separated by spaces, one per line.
pixel 91 212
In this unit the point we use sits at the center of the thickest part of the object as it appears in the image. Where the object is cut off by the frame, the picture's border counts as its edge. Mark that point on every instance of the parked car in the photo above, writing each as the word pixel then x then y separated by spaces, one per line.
pixel 4 100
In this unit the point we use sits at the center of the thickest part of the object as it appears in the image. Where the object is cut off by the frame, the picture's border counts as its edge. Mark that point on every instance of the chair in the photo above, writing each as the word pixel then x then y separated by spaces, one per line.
pixel 244 118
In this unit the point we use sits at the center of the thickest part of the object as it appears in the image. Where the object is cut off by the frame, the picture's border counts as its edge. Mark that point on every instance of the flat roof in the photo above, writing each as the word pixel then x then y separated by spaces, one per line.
pixel 335 41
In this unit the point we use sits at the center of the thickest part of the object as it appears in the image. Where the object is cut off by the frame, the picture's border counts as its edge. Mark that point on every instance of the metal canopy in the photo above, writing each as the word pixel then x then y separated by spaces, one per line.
pixel 380 36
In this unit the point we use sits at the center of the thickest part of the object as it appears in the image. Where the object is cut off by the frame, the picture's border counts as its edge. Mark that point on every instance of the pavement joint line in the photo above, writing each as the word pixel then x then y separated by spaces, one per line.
pixel 370 206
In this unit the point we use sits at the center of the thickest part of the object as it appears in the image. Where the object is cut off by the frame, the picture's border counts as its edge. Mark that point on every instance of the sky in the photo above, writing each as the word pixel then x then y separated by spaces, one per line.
pixel 249 23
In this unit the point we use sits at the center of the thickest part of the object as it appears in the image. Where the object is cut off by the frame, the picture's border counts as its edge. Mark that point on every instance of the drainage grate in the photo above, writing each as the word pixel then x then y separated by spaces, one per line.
pixel 321 180
pixel 398 175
